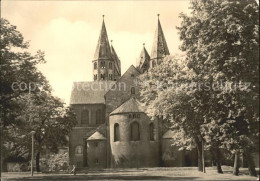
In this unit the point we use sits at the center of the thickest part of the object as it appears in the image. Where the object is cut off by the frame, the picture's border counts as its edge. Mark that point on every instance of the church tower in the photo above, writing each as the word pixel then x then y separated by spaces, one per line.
pixel 117 63
pixel 160 48
pixel 143 61
pixel 103 63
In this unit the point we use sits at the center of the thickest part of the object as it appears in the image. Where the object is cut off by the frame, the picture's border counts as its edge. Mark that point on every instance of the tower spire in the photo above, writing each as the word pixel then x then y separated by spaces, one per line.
pixel 103 48
pixel 160 48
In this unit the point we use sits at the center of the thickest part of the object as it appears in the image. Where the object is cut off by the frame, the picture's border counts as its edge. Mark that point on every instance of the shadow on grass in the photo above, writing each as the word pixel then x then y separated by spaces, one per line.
pixel 241 172
pixel 102 177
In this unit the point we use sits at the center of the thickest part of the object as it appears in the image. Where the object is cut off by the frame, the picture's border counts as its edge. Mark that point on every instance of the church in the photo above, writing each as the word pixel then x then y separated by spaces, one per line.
pixel 113 129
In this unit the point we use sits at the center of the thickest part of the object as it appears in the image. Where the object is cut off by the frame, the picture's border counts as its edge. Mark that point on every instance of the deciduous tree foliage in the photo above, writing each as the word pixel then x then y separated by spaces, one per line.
pixel 221 39
pixel 24 110
pixel 170 92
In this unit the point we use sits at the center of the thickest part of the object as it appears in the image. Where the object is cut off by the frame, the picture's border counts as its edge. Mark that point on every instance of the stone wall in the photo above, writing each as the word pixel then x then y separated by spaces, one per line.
pixel 81 132
pixel 96 154
pixel 127 153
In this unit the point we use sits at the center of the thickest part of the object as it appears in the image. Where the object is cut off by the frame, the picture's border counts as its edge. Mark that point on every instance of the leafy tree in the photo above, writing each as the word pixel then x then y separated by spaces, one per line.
pixel 26 101
pixel 221 39
pixel 169 90
pixel 51 121
pixel 18 67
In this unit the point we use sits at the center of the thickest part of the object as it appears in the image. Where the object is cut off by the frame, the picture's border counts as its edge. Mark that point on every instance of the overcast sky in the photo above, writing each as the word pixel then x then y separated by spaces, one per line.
pixel 68 31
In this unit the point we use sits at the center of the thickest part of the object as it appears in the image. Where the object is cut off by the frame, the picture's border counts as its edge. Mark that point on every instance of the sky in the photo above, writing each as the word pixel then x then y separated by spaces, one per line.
pixel 68 31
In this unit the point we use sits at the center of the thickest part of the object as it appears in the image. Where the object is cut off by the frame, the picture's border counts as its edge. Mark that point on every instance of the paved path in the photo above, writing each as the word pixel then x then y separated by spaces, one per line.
pixel 171 173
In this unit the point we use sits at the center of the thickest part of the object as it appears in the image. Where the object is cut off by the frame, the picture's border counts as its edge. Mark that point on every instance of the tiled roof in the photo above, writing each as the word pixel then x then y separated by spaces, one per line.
pixel 116 59
pixel 160 48
pixel 97 136
pixel 144 57
pixel 168 135
pixel 103 50
pixel 90 92
pixel 131 105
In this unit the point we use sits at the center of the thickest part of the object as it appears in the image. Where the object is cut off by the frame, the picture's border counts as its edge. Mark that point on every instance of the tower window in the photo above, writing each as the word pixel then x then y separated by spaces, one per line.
pixel 84 117
pixel 95 77
pixel 102 65
pixel 132 75
pixel 102 76
pixel 135 132
pixel 132 90
pixel 110 65
pixel 151 131
pixel 95 65
pixel 116 132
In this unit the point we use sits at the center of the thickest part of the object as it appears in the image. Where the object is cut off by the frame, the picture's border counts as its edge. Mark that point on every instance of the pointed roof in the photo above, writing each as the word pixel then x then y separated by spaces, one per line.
pixel 116 59
pixel 97 136
pixel 144 56
pixel 160 48
pixel 103 48
pixel 131 105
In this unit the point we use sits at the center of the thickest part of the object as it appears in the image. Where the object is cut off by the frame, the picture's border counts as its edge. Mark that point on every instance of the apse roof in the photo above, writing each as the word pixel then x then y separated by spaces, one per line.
pixel 131 105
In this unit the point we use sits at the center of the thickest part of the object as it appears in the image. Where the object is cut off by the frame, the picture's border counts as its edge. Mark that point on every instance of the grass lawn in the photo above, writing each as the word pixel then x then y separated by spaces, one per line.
pixel 162 173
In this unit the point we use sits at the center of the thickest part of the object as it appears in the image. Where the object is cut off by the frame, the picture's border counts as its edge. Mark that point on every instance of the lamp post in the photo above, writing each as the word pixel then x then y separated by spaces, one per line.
pixel 202 154
pixel 33 132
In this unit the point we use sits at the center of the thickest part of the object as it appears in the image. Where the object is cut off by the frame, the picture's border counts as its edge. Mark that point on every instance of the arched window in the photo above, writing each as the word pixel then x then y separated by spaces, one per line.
pixel 135 132
pixel 116 132
pixel 99 116
pixel 95 65
pixel 102 76
pixel 79 150
pixel 84 117
pixel 132 90
pixel 151 131
pixel 110 65
pixel 102 65
pixel 95 77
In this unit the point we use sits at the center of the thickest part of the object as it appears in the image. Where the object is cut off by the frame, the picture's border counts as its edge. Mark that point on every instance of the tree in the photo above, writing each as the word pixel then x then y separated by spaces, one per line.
pixel 18 67
pixel 51 120
pixel 221 39
pixel 169 90
pixel 26 101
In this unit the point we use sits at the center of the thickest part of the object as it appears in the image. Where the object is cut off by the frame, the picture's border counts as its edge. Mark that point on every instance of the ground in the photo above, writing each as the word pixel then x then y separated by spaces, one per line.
pixel 171 173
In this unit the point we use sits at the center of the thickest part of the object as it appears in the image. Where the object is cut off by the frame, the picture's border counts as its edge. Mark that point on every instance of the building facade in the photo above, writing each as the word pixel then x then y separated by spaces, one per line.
pixel 113 128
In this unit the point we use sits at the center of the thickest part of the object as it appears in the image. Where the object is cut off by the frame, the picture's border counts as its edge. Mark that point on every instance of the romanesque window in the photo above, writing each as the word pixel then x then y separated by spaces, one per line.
pixel 132 90
pixel 99 116
pixel 135 132
pixel 116 132
pixel 151 131
pixel 95 77
pixel 79 150
pixel 84 117
pixel 95 65
pixel 102 65
pixel 102 76
pixel 110 65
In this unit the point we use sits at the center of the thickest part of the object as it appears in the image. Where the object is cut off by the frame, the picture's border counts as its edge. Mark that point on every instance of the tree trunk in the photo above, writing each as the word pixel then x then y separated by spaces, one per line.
pixel 199 148
pixel 251 164
pixel 236 164
pixel 216 154
pixel 38 161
